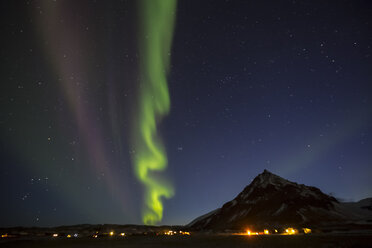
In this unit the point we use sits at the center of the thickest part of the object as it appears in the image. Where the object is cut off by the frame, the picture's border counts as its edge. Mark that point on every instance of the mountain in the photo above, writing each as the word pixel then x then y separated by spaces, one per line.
pixel 360 211
pixel 274 201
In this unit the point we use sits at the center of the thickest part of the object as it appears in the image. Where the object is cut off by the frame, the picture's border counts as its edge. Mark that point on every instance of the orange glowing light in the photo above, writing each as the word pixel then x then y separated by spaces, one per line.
pixel 171 233
pixel 290 231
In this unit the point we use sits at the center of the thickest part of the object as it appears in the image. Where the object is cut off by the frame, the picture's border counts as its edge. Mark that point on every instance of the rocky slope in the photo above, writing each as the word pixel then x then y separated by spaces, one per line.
pixel 273 201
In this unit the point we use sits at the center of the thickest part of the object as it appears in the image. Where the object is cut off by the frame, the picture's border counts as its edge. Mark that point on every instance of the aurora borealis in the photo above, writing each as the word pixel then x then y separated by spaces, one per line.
pixel 157 19
pixel 157 111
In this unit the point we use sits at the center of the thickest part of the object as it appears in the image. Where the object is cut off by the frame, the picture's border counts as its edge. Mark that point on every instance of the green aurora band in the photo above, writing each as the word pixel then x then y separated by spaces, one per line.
pixel 157 23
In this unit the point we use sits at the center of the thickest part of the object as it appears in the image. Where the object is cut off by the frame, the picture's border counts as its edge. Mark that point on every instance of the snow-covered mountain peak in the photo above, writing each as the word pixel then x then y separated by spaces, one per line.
pixel 272 199
pixel 266 178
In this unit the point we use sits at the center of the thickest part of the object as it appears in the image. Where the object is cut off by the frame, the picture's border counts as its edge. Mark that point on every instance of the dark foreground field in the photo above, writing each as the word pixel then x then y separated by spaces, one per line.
pixel 316 241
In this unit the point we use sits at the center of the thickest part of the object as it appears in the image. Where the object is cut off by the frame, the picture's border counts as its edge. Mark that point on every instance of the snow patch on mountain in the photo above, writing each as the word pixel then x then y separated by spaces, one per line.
pixel 282 207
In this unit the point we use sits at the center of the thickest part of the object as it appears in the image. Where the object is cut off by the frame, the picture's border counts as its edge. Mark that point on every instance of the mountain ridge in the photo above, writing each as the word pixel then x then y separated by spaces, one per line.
pixel 272 200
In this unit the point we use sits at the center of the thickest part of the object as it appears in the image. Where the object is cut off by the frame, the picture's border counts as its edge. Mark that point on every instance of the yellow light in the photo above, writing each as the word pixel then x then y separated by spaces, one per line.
pixel 68 236
pixel 266 231
pixel 122 234
pixel 170 233
pixel 307 230
pixel 290 231
pixel 111 233
pixel 95 236
pixel 55 235
pixel 248 232
pixel 4 235
pixel 276 230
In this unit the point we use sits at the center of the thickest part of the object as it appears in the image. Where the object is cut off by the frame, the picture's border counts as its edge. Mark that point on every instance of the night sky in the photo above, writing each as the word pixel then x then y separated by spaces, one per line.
pixel 281 85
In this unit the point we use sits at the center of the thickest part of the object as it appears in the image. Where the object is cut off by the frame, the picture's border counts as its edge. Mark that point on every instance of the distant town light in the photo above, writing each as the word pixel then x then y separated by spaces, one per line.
pixel 111 233
pixel 290 231
pixel 307 230
pixel 69 236
pixel 266 231
pixel 122 234
pixel 55 235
